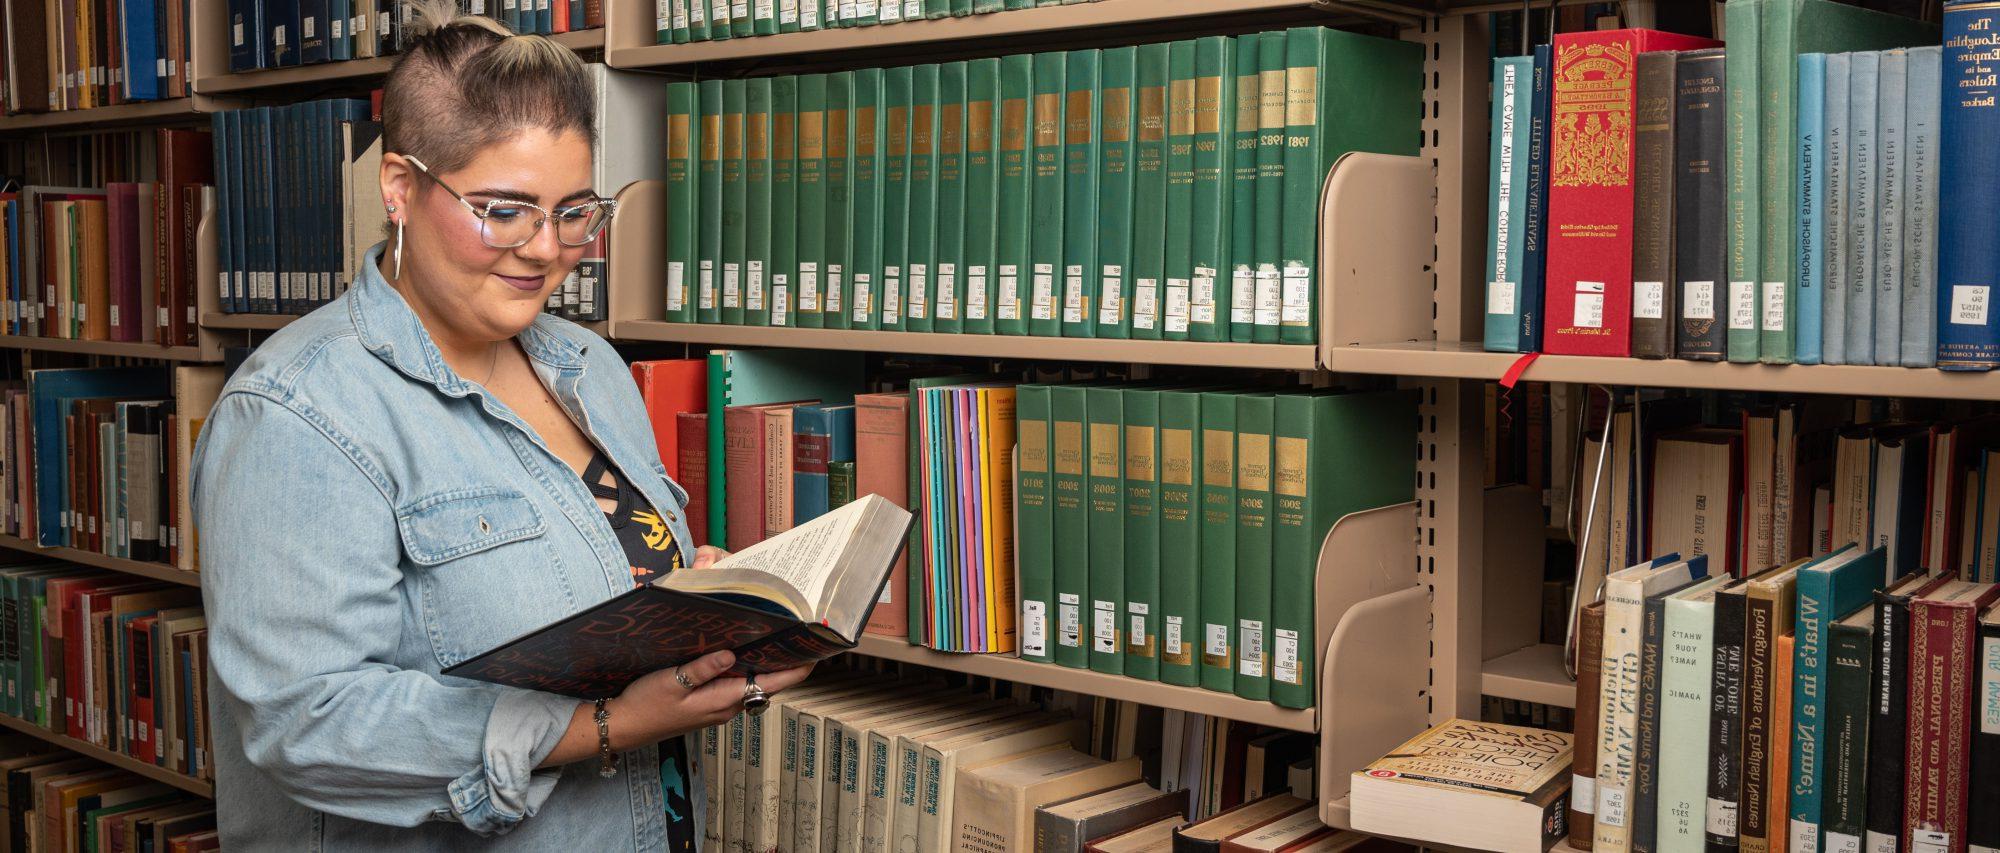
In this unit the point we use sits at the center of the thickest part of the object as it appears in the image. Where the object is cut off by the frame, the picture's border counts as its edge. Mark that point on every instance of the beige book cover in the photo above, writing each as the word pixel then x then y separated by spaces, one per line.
pixel 906 808
pixel 819 766
pixel 994 809
pixel 859 773
pixel 764 751
pixel 1155 837
pixel 834 776
pixel 1276 835
pixel 794 766
pixel 711 768
pixel 1506 787
pixel 1246 816
pixel 884 767
pixel 942 761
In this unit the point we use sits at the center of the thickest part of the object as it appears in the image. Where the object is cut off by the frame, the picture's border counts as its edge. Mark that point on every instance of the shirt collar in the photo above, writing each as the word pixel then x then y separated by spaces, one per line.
pixel 389 328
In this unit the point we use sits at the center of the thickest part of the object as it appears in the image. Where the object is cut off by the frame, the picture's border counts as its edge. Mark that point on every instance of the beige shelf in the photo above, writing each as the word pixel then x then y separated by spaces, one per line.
pixel 1534 674
pixel 131 349
pixel 1278 356
pixel 191 108
pixel 1093 683
pixel 1468 361
pixel 630 26
pixel 182 781
pixel 265 322
pixel 156 571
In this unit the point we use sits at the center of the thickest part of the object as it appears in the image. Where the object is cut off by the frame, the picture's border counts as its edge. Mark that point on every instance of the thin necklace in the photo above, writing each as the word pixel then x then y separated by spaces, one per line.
pixel 491 364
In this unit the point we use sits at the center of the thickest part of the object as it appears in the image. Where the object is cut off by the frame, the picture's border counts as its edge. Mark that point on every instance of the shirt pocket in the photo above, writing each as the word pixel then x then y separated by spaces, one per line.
pixel 485 569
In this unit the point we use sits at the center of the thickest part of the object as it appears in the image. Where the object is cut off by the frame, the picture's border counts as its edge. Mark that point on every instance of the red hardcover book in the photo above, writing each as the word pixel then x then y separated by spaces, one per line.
pixel 743 474
pixel 669 388
pixel 187 158
pixel 692 450
pixel 1589 301
pixel 560 24
pixel 123 244
pixel 1944 633
pixel 882 467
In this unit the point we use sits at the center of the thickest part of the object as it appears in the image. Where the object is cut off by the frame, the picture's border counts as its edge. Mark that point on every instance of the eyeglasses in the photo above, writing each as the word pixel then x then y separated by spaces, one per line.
pixel 507 224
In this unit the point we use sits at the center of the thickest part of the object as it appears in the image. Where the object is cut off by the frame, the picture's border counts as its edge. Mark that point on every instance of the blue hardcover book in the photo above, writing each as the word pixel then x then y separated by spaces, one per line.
pixel 1507 200
pixel 545 17
pixel 1968 332
pixel 577 15
pixel 140 51
pixel 1920 207
pixel 246 35
pixel 219 153
pixel 1863 160
pixel 50 393
pixel 1833 273
pixel 314 34
pixel 1891 87
pixel 281 32
pixel 340 30
pixel 1828 589
pixel 1810 194
pixel 1534 264
pixel 821 435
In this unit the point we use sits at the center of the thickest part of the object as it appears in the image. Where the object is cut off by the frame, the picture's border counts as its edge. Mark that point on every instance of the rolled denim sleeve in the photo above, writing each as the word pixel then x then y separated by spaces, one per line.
pixel 301 580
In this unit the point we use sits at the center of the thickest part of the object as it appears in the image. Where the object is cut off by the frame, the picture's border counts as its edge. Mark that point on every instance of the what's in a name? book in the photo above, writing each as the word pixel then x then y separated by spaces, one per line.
pixel 795 598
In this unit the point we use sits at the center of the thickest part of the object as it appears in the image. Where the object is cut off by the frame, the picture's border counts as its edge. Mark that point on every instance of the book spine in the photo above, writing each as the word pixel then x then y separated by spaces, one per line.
pixel 1760 635
pixel 896 94
pixel 1844 815
pixel 837 254
pixel 735 199
pixel 1255 416
pixel 1298 501
pixel 1011 264
pixel 1833 288
pixel 1700 189
pixel 1104 480
pixel 1180 236
pixel 1149 192
pixel 982 177
pixel 918 303
pixel 1982 825
pixel 865 259
pixel 1777 72
pixel 1809 195
pixel 681 199
pixel 808 281
pixel 1141 614
pixel 1920 209
pixel 1046 194
pixel 1506 202
pixel 1590 278
pixel 757 205
pixel 881 467
pixel 1892 152
pixel 1646 739
pixel 1968 333
pixel 811 444
pixel 1652 223
pixel 1269 245
pixel 1687 672
pixel 1888 718
pixel 1243 187
pixel 1936 776
pixel 1863 190
pixel 783 262
pixel 743 477
pixel 1070 523
pixel 1744 212
pixel 708 182
pixel 1180 537
pixel 947 282
pixel 1080 181
pixel 1617 714
pixel 1110 279
pixel 1583 758
pixel 1218 541
pixel 1535 233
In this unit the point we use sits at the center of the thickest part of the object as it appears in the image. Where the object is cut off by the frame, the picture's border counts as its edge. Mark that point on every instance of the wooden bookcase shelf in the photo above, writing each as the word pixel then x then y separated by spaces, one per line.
pixel 191 109
pixel 129 349
pixel 121 761
pixel 156 571
pixel 1273 356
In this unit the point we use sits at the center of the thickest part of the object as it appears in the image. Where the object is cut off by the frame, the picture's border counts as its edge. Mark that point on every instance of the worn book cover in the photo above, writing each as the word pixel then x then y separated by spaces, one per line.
pixel 1452 769
pixel 1653 216
pixel 1944 640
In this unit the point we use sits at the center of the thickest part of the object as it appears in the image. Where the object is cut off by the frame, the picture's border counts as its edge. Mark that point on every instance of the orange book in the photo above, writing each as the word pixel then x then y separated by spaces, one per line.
pixel 668 388
pixel 1781 747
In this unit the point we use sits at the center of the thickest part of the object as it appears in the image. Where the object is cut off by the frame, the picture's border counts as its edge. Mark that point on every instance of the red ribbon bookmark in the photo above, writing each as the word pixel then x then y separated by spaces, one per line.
pixel 1520 366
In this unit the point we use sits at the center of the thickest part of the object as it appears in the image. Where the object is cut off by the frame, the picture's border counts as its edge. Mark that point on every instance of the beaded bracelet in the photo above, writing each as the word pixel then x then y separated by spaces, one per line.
pixel 609 767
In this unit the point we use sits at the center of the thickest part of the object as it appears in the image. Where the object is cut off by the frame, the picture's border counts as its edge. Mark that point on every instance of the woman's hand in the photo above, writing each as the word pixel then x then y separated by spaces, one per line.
pixel 706 555
pixel 658 706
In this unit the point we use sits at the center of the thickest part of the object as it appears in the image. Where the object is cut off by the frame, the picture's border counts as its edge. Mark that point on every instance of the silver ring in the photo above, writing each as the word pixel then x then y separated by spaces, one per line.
pixel 754 698
pixel 682 678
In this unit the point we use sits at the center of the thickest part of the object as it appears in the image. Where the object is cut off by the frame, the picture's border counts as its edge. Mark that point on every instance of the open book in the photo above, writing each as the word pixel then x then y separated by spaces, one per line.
pixel 798 597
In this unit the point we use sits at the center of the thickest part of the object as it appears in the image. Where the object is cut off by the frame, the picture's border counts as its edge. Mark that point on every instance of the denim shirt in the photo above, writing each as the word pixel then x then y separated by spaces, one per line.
pixel 368 517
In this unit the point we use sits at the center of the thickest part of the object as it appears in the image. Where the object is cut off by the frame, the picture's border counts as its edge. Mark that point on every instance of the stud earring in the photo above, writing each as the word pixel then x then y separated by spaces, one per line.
pixel 392 208
pixel 399 250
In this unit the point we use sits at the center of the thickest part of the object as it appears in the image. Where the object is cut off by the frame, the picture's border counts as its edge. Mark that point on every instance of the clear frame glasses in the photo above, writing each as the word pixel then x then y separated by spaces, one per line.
pixel 508 224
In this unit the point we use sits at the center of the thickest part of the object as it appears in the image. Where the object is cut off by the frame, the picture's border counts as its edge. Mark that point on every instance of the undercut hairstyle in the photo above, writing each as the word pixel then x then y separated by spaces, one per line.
pixel 464 82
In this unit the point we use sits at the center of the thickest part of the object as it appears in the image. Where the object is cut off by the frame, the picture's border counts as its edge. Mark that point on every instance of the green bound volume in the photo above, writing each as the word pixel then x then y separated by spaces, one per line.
pixel 1104 478
pixel 1178 621
pixel 1743 214
pixel 1149 192
pixel 697 20
pixel 811 222
pixel 708 187
pixel 718 19
pixel 1141 616
pixel 735 200
pixel 741 23
pixel 1117 113
pixel 1071 523
pixel 1243 190
pixel 1217 583
pixel 676 31
pixel 1270 187
pixel 784 197
pixel 788 16
pixel 683 166
pixel 1325 465
pixel 1256 416
pixel 1180 191
pixel 757 207
pixel 1080 223
pixel 1035 546
pixel 865 273
pixel 922 245
pixel 764 17
pixel 1014 214
pixel 895 192
pixel 1045 196
pixel 947 287
pixel 839 176
pixel 1216 66
pixel 982 185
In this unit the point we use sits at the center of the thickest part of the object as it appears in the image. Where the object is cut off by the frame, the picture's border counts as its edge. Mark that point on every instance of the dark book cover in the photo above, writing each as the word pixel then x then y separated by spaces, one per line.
pixel 27 59
pixel 1725 720
pixel 315 36
pixel 1944 628
pixel 1583 755
pixel 1844 807
pixel 1698 192
pixel 1968 331
pixel 1653 215
pixel 1889 712
pixel 1065 834
pixel 1982 821
pixel 1535 235
pixel 1646 759
pixel 1761 630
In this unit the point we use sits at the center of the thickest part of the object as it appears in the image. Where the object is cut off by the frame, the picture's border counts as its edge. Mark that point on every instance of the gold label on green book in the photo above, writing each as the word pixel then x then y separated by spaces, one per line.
pixel 1301 96
pixel 760 137
pixel 1014 124
pixel 1180 107
pixel 1253 469
pixel 1177 457
pixel 979 127
pixel 711 137
pixel 1207 104
pixel 864 131
pixel 1104 450
pixel 836 134
pixel 1247 89
pixel 732 136
pixel 951 137
pixel 1117 115
pixel 1152 114
pixel 1069 448
pixel 1077 120
pixel 1271 99
pixel 899 131
pixel 1218 457
pixel 1139 453
pixel 812 146
pixel 785 127
pixel 1034 438
pixel 677 137
pixel 920 130
pixel 1290 456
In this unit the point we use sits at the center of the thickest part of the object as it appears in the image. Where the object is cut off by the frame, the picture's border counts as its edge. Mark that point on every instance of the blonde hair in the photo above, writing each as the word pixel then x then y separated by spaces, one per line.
pixel 464 82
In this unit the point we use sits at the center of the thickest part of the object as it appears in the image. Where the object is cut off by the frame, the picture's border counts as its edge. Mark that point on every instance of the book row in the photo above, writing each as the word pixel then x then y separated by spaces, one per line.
pixel 110 263
pixel 109 659
pixel 854 760
pixel 683 21
pixel 92 53
pixel 1163 191
pixel 52 801
pixel 1823 704
pixel 280 33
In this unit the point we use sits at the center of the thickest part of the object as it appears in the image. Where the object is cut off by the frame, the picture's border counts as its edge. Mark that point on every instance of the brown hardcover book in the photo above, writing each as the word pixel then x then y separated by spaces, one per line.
pixel 743 473
pixel 1777 815
pixel 1206 836
pixel 187 161
pixel 1653 212
pixel 92 241
pixel 1583 763
pixel 1944 634
pixel 593 16
pixel 1066 826
pixel 692 428
pixel 1770 602
pixel 994 806
pixel 779 448
pixel 27 65
pixel 1759 544
pixel 881 467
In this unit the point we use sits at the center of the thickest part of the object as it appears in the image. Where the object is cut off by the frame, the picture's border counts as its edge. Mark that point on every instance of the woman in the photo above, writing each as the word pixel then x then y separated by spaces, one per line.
pixel 427 467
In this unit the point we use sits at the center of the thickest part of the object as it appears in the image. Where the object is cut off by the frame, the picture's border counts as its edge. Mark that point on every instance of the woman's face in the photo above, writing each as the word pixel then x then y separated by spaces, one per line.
pixel 477 291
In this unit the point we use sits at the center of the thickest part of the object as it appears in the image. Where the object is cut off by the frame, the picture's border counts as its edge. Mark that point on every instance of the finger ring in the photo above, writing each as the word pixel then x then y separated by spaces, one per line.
pixel 754 698
pixel 682 678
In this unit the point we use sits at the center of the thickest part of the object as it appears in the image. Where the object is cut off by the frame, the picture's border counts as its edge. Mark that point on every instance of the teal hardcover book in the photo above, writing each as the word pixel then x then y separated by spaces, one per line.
pixel 865 273
pixel 708 183
pixel 1828 589
pixel 1507 200
pixel 784 261
pixel 735 199
pixel 839 176
pixel 1045 195
pixel 757 207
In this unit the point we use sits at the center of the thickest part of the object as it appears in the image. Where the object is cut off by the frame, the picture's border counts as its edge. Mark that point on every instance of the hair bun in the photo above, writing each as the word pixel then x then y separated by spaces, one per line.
pixel 428 18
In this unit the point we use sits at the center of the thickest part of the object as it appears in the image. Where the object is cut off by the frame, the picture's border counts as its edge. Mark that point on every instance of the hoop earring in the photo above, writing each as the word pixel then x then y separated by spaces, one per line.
pixel 399 249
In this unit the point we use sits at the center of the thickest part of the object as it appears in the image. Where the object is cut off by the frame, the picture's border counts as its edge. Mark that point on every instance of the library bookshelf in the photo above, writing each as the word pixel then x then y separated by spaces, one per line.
pixel 193 109
pixel 141 568
pixel 121 761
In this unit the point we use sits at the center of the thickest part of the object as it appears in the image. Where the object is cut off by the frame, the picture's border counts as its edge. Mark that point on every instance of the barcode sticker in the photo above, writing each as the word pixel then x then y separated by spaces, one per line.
pixel 1250 636
pixel 808 285
pixel 1177 305
pixel 1649 300
pixel 1589 313
pixel 1841 842
pixel 975 292
pixel 1104 626
pixel 781 302
pixel 947 291
pixel 1968 304
pixel 920 291
pixel 1611 805
pixel 1295 300
pixel 1774 321
pixel 788 12
pixel 1170 641
pixel 1583 793
pixel 1041 305
pixel 1034 628
pixel 753 299
pixel 676 285
pixel 1111 306
pixel 1068 616
pixel 1882 842
pixel 236 34
pixel 1218 640
pixel 1804 837
pixel 306 27
pixel 1743 305
pixel 278 35
pixel 1009 298
pixel 1929 841
pixel 1075 303
pixel 833 289
pixel 1697 300
pixel 1265 308
pixel 705 282
pixel 732 286
pixel 1720 818
pixel 1285 656
pixel 1242 294
pixel 1145 303
pixel 864 297
pixel 1136 635
pixel 1201 296
pixel 892 294
pixel 1499 297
